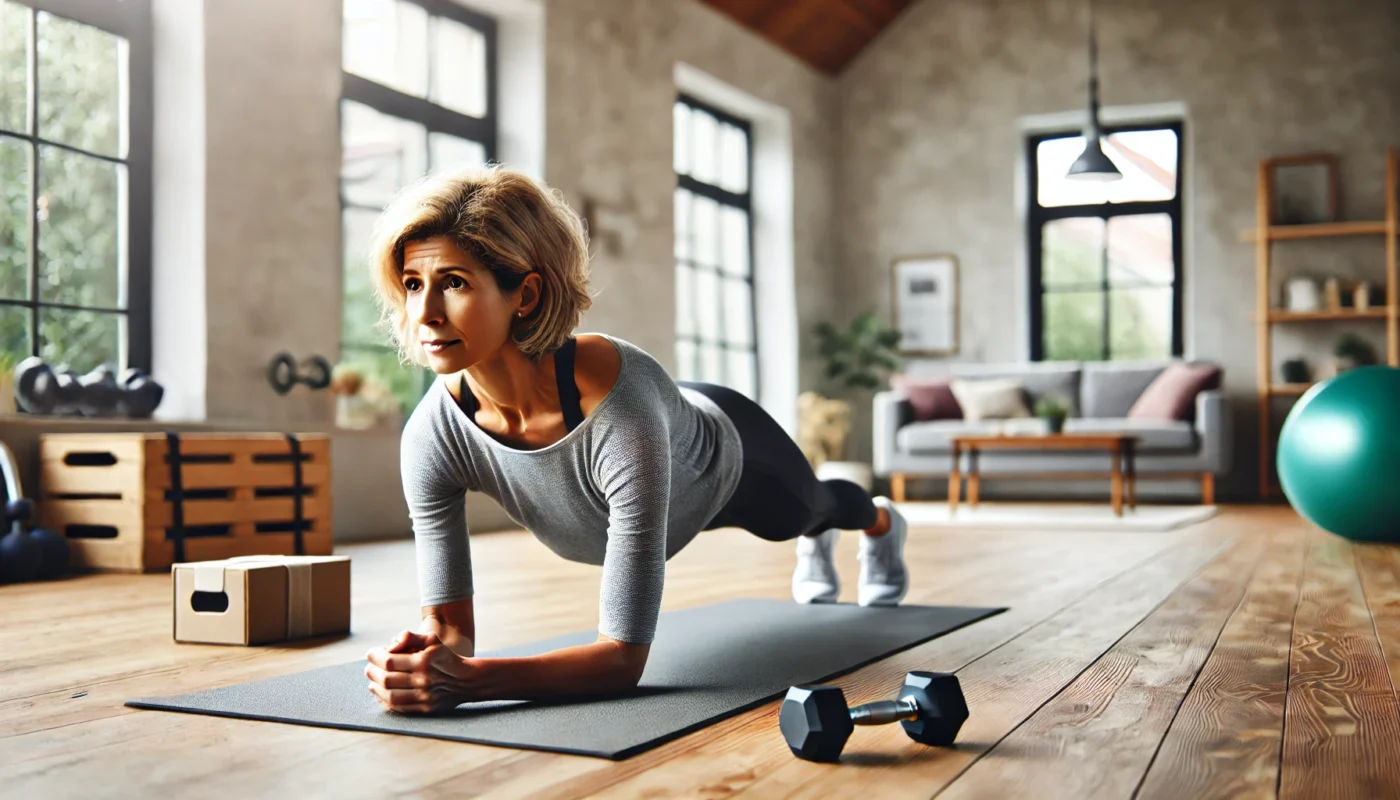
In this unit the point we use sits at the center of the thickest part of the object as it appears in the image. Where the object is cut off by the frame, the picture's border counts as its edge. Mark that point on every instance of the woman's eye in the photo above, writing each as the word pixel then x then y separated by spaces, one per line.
pixel 412 284
pixel 454 282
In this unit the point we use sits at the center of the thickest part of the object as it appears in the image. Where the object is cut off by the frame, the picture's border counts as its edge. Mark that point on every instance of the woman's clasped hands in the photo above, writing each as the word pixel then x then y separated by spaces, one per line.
pixel 419 674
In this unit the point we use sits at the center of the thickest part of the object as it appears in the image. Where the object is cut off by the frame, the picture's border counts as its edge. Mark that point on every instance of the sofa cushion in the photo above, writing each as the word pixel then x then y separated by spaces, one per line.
pixel 1109 389
pixel 998 398
pixel 1154 436
pixel 936 436
pixel 1172 395
pixel 1038 379
pixel 931 397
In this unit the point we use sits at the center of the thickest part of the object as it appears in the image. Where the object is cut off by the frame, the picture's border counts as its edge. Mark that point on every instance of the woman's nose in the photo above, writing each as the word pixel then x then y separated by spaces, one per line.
pixel 428 310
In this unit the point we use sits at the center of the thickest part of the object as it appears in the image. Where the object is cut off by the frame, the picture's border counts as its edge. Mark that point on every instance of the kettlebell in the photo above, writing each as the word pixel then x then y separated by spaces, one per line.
pixel 54 549
pixel 20 556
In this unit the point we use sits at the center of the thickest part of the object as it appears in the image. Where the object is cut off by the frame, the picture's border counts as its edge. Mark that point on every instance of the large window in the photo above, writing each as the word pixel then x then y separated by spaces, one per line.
pixel 419 95
pixel 1105 258
pixel 715 337
pixel 75 189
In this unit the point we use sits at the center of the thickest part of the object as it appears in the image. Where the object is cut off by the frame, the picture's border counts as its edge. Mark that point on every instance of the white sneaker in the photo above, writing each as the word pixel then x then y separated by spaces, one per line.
pixel 815 579
pixel 883 578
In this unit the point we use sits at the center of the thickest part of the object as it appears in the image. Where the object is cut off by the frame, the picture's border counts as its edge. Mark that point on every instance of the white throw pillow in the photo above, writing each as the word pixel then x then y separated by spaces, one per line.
pixel 998 398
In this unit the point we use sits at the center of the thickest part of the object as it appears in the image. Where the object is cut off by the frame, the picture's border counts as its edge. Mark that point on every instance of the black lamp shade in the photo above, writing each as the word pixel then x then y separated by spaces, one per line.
pixel 1093 164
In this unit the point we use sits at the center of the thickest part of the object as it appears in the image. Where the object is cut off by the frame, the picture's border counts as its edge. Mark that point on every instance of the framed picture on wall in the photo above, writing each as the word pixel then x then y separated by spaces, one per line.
pixel 926 304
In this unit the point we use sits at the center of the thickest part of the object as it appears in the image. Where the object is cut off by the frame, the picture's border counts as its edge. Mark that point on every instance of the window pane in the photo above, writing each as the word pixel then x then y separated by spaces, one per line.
pixel 1140 250
pixel 14 66
pixel 1140 323
pixel 683 232
pixel 459 67
pixel 387 42
pixel 446 151
pixel 704 131
pixel 738 310
pixel 1072 253
pixel 707 302
pixel 406 383
pixel 680 130
pixel 1147 159
pixel 381 154
pixel 739 372
pixel 360 314
pixel 685 301
pixel 685 361
pixel 82 340
pixel 81 74
pixel 734 224
pixel 14 219
pixel 80 229
pixel 734 159
pixel 1073 325
pixel 711 364
pixel 706 219
pixel 14 333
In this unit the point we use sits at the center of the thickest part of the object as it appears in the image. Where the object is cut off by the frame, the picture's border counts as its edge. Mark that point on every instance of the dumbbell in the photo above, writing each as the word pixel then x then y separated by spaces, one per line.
pixel 816 722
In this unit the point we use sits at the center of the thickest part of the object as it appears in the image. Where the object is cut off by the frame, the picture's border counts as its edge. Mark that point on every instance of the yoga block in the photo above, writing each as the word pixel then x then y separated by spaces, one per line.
pixel 261 599
pixel 111 495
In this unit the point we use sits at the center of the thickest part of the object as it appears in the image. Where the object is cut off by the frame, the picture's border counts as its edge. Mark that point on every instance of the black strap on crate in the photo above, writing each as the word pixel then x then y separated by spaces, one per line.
pixel 298 487
pixel 177 496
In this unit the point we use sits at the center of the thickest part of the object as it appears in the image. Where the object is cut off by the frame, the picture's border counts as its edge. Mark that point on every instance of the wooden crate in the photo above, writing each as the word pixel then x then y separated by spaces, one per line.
pixel 109 494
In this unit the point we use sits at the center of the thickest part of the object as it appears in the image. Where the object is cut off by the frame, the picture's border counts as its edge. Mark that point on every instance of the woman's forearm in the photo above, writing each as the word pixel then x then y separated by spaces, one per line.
pixel 602 667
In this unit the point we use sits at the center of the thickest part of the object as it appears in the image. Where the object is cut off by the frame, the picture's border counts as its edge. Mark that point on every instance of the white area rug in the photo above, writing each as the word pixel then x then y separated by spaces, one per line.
pixel 1055 516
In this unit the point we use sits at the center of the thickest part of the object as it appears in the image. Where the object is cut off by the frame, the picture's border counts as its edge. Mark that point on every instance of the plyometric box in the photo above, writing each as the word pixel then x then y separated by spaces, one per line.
pixel 125 504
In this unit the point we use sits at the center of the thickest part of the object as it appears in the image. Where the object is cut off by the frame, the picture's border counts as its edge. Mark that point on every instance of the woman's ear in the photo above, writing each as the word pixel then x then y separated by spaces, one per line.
pixel 530 295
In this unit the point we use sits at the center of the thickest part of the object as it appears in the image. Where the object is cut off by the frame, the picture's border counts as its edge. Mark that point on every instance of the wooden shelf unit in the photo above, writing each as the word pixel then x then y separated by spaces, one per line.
pixel 1264 234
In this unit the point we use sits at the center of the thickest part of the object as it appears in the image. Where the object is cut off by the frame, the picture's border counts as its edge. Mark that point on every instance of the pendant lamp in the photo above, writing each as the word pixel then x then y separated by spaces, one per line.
pixel 1093 164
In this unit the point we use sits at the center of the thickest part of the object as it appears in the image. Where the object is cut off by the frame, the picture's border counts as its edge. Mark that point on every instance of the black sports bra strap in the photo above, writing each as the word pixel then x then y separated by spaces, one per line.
pixel 569 398
pixel 568 391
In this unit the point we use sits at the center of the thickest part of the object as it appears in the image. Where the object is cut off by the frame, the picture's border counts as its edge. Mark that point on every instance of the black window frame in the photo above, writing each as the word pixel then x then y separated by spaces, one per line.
pixel 130 20
pixel 744 202
pixel 433 117
pixel 1038 216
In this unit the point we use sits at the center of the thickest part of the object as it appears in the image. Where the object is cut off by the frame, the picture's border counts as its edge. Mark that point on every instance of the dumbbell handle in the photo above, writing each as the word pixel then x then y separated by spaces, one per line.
pixel 882 712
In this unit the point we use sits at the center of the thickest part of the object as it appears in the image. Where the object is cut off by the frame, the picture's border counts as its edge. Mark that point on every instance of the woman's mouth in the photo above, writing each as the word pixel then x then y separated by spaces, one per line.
pixel 435 346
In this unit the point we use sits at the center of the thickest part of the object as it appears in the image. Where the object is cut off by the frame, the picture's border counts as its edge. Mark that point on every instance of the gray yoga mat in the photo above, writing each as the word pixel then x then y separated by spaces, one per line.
pixel 706 664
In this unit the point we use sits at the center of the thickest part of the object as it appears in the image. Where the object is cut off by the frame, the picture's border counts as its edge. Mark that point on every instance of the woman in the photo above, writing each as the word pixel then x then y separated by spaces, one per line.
pixel 586 440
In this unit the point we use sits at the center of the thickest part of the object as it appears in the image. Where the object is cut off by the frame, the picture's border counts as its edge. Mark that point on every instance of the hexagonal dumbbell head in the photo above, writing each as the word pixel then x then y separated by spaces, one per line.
pixel 944 709
pixel 816 722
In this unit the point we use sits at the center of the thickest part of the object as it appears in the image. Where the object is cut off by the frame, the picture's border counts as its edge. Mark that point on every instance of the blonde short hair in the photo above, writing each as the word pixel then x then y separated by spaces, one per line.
pixel 509 223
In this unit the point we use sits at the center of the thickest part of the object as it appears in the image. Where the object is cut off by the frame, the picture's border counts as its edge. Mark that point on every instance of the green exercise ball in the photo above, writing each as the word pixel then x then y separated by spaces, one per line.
pixel 1339 455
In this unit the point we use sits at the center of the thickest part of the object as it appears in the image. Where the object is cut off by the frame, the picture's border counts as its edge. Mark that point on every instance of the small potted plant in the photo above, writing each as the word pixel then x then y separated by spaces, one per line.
pixel 1054 410
pixel 1351 351
pixel 861 357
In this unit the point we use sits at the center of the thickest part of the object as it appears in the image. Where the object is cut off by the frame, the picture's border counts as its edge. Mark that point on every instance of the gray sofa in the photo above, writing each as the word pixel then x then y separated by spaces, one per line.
pixel 1099 394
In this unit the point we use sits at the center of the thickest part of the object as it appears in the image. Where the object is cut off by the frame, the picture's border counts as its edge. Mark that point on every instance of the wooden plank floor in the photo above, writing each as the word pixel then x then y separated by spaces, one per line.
pixel 1249 656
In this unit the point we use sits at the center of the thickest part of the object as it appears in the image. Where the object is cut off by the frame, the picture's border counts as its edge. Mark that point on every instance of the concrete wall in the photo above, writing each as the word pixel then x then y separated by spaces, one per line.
pixel 930 146
pixel 610 89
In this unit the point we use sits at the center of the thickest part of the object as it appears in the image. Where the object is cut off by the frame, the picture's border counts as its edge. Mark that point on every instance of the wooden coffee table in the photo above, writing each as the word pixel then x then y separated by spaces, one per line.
pixel 1122 474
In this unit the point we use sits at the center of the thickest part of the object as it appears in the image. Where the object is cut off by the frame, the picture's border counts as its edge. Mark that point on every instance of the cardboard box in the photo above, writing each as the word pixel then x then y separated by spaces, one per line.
pixel 261 599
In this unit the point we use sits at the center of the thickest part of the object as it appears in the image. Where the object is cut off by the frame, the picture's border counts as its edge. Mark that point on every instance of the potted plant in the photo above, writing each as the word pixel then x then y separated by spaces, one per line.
pixel 1054 410
pixel 858 357
pixel 1351 351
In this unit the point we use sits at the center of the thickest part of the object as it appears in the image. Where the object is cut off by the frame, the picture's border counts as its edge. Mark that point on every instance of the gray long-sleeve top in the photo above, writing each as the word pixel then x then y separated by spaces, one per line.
pixel 627 488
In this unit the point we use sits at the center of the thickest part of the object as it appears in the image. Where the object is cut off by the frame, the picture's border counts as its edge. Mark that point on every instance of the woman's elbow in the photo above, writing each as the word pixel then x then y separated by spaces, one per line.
pixel 631 661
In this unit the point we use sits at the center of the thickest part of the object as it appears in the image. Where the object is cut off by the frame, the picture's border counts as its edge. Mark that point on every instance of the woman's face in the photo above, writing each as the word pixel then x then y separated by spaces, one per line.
pixel 456 312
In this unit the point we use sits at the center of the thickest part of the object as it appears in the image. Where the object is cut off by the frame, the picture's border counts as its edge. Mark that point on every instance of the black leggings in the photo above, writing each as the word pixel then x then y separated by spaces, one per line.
pixel 779 497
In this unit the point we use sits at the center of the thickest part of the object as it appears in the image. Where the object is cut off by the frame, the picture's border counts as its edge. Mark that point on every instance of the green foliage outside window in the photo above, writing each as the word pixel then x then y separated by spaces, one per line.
pixel 80 199
pixel 1073 320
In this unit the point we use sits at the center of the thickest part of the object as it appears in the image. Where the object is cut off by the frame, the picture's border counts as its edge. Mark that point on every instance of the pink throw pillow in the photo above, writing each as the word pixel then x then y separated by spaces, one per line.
pixel 931 398
pixel 1172 394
